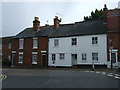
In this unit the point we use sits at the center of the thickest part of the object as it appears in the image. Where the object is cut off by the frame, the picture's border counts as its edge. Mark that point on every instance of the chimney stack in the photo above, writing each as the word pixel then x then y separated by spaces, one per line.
pixel 56 22
pixel 105 13
pixel 36 24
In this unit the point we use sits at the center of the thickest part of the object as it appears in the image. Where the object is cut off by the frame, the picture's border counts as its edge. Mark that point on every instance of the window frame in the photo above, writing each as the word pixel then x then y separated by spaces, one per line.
pixel 21 43
pixel 84 56
pixel 35 43
pixel 95 56
pixel 56 42
pixel 62 56
pixel 20 61
pixel 74 41
pixel 33 59
pixel 94 40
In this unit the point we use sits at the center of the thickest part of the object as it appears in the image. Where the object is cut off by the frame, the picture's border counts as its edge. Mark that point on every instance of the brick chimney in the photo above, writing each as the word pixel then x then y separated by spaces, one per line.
pixel 56 22
pixel 105 10
pixel 36 23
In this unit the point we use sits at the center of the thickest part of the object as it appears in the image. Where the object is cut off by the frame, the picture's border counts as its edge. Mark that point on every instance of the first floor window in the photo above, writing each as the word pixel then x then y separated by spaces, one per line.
pixel 95 56
pixel 74 41
pixel 35 43
pixel 62 56
pixel 34 58
pixel 20 57
pixel 84 56
pixel 94 40
pixel 53 58
pixel 21 43
pixel 9 45
pixel 56 42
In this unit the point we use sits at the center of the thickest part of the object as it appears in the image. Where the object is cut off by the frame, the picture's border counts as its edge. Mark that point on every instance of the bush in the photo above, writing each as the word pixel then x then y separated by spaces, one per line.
pixel 6 62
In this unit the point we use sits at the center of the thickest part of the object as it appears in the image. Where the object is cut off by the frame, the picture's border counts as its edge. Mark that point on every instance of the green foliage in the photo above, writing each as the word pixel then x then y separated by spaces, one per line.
pixel 94 15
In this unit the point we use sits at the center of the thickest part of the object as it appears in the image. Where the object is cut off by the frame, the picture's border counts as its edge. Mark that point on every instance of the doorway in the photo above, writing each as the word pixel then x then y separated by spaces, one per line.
pixel 13 60
pixel 114 58
pixel 74 59
pixel 43 60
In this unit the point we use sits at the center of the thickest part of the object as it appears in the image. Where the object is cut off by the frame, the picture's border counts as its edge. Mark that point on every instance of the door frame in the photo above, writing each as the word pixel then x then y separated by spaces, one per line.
pixel 116 54
pixel 13 62
pixel 43 53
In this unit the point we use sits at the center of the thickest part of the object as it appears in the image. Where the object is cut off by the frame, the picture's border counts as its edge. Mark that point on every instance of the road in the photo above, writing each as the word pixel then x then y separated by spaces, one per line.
pixel 68 78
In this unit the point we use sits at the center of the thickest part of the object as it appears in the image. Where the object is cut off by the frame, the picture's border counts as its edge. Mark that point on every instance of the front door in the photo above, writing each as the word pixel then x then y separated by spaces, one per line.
pixel 113 57
pixel 74 59
pixel 13 59
pixel 44 61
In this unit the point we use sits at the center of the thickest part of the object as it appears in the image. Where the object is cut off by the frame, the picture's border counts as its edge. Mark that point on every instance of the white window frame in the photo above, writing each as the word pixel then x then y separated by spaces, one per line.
pixel 74 41
pixel 35 43
pixel 20 61
pixel 94 40
pixel 9 45
pixel 21 43
pixel 33 61
pixel 53 58
pixel 84 56
pixel 62 56
pixel 95 56
pixel 56 42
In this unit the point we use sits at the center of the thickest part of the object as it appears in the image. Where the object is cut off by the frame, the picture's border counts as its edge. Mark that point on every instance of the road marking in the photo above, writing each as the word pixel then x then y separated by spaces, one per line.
pixel 110 75
pixel 92 71
pixel 116 77
pixel 103 73
pixel 2 76
pixel 116 74
pixel 97 72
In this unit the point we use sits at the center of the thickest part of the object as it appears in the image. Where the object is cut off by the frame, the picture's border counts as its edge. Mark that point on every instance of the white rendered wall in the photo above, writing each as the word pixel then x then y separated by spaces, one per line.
pixel 84 45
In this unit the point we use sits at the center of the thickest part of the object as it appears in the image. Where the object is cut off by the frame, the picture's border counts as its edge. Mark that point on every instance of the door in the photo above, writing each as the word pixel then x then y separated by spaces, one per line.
pixel 113 57
pixel 13 59
pixel 44 61
pixel 74 59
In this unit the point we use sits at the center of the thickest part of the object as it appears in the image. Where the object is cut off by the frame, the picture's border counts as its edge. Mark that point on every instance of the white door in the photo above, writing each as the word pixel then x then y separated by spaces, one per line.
pixel 114 58
pixel 74 59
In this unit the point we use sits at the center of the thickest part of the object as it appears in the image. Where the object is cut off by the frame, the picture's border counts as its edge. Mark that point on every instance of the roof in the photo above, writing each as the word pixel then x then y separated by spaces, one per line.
pixel 79 28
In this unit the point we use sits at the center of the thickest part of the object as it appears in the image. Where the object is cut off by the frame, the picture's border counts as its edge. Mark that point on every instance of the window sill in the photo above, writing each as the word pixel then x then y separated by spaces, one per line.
pixel 35 48
pixel 34 63
pixel 20 62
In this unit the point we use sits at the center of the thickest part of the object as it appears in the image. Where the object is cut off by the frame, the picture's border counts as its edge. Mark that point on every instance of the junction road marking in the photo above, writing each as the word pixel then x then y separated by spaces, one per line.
pixel 2 76
pixel 103 73
pixel 97 72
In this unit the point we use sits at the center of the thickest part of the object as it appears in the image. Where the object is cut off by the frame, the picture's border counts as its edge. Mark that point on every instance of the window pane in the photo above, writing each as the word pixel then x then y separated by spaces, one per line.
pixel 20 58
pixel 56 42
pixel 62 56
pixel 74 41
pixel 35 43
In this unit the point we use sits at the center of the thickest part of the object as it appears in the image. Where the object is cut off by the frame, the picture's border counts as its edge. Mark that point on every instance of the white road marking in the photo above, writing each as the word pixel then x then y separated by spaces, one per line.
pixel 110 75
pixel 97 72
pixel 103 73
pixel 92 71
pixel 116 77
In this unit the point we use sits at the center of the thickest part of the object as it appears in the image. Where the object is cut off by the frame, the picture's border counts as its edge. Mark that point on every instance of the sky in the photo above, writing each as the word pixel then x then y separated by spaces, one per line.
pixel 16 16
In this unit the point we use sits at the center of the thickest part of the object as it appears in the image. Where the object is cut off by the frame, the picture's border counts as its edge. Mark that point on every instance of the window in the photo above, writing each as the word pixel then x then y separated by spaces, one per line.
pixel 9 46
pixel 35 43
pixel 9 58
pixel 62 56
pixel 74 41
pixel 94 40
pixel 20 57
pixel 0 46
pixel 56 42
pixel 34 58
pixel 53 58
pixel 21 43
pixel 74 56
pixel 84 56
pixel 95 56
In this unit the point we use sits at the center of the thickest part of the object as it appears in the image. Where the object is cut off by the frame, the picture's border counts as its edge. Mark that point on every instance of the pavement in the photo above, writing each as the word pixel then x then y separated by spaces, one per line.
pixel 60 78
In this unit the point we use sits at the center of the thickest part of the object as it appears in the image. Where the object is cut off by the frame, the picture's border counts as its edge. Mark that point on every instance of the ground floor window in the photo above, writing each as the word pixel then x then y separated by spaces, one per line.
pixel 9 58
pixel 20 58
pixel 53 58
pixel 62 56
pixel 84 56
pixel 34 58
pixel 95 56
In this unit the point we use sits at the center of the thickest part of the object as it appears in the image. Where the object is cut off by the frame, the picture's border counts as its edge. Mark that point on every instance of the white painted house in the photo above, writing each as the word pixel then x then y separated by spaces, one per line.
pixel 81 43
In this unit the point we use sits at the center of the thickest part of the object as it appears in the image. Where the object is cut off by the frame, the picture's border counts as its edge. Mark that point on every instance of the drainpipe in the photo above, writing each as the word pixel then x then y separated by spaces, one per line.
pixel 111 47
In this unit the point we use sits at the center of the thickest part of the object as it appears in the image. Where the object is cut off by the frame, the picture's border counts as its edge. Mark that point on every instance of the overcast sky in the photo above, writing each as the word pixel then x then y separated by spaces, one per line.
pixel 16 16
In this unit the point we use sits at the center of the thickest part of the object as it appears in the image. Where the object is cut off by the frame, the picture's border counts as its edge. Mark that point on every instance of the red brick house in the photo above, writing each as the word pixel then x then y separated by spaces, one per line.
pixel 112 19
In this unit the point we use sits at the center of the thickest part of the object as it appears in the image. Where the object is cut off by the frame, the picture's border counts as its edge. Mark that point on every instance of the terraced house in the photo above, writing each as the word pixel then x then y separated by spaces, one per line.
pixel 68 45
